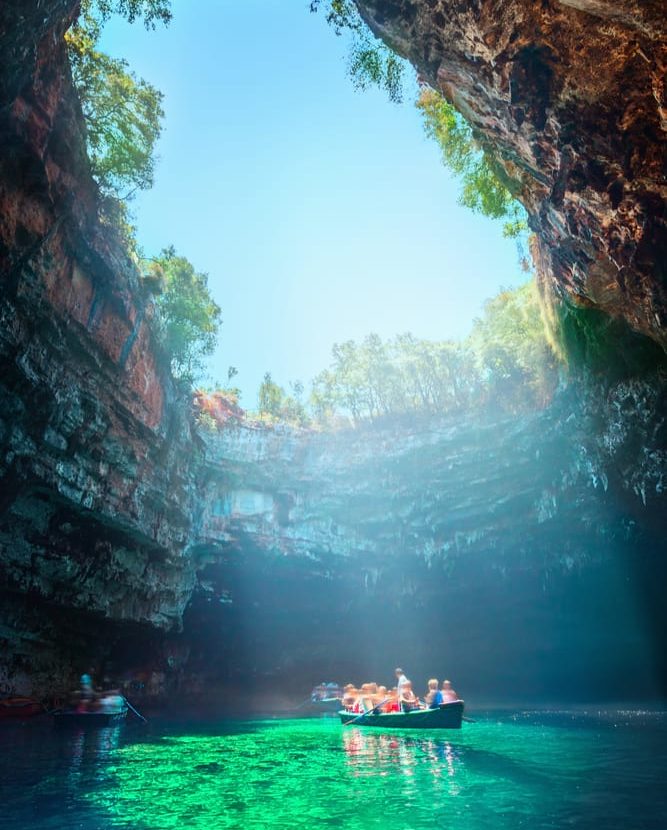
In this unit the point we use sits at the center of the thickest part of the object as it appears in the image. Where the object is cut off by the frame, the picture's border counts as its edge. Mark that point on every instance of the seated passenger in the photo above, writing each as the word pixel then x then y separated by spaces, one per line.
pixel 112 702
pixel 380 697
pixel 364 700
pixel 433 697
pixel 448 693
pixel 392 704
pixel 408 699
pixel 349 696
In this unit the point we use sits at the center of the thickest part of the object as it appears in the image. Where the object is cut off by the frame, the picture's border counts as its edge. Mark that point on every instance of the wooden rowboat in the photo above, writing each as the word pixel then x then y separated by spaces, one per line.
pixel 70 717
pixel 19 707
pixel 446 716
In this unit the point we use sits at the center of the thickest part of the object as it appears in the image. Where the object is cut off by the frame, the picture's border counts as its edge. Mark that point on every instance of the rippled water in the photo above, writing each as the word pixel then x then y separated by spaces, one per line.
pixel 536 770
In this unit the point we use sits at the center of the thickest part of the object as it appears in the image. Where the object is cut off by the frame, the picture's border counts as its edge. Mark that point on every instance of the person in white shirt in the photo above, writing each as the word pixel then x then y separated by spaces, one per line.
pixel 401 681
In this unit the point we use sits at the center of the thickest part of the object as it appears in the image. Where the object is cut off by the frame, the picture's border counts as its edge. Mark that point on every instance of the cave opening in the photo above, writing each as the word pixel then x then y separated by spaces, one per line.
pixel 471 479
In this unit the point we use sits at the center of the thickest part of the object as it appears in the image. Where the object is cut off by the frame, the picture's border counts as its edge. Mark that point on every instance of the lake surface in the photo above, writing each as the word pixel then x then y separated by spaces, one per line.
pixel 597 770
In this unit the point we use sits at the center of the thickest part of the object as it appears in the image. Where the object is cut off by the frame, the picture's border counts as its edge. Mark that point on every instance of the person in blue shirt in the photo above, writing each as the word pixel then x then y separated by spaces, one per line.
pixel 433 697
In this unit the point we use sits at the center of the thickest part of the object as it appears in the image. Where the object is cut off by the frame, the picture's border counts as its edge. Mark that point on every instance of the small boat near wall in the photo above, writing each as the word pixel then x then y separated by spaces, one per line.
pixel 446 716
pixel 16 708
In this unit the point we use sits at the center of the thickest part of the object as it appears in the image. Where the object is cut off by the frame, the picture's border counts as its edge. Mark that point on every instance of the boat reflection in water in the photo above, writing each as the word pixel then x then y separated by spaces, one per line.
pixel 88 752
pixel 384 754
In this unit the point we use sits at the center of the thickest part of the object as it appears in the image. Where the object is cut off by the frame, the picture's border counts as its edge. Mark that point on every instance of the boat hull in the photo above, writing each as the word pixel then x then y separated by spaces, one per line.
pixel 19 707
pixel 89 719
pixel 446 716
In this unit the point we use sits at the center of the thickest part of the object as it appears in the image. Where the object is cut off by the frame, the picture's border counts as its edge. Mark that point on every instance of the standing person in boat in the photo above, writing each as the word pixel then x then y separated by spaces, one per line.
pixel 87 696
pixel 401 680
pixel 433 697
pixel 448 693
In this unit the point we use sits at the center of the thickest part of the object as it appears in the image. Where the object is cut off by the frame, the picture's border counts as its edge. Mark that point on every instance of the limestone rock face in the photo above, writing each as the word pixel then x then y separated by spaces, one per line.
pixel 95 448
pixel 571 96
pixel 531 535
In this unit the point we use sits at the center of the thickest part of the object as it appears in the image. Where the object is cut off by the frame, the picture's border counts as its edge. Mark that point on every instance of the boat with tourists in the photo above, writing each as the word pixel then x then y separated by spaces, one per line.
pixel 326 698
pixel 445 716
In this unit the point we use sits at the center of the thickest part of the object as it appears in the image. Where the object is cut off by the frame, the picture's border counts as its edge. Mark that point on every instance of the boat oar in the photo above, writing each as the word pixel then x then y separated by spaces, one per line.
pixel 363 714
pixel 468 720
pixel 132 709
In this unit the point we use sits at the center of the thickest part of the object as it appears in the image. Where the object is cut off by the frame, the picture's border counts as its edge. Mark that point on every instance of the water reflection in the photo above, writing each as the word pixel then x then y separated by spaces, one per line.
pixel 87 752
pixel 383 754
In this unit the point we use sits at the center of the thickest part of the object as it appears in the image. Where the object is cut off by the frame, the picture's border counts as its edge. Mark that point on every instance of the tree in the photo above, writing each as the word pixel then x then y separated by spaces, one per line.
pixel 483 183
pixel 270 397
pixel 152 11
pixel 188 317
pixel 123 117
pixel 123 113
pixel 513 350
pixel 371 62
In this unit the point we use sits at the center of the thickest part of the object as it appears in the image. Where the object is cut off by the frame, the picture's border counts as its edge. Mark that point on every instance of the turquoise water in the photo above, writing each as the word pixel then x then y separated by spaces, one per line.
pixel 535 770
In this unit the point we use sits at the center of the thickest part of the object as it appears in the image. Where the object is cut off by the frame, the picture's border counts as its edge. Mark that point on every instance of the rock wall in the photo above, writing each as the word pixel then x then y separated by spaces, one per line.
pixel 570 96
pixel 95 447
pixel 531 537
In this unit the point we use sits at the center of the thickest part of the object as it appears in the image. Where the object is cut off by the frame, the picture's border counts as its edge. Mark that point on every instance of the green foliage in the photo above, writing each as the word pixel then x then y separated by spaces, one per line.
pixel 371 62
pixel 375 380
pixel 591 342
pixel 270 396
pixel 123 114
pixel 188 317
pixel 484 189
pixel 506 362
pixel 517 363
pixel 274 404
pixel 152 11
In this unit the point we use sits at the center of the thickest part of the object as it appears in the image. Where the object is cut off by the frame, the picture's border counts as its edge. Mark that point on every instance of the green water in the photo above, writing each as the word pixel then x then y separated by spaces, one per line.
pixel 555 770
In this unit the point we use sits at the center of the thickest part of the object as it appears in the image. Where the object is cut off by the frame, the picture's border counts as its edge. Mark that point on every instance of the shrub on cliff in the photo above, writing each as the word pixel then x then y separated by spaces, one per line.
pixel 188 317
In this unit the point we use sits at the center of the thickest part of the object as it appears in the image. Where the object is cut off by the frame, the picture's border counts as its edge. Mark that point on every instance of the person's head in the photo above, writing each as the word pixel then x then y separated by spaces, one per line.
pixel 408 684
pixel 446 684
pixel 433 683
pixel 86 680
pixel 398 672
pixel 382 690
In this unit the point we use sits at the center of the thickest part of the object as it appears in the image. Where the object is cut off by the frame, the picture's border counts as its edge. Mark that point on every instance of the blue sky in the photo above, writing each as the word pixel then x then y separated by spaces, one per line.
pixel 320 213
